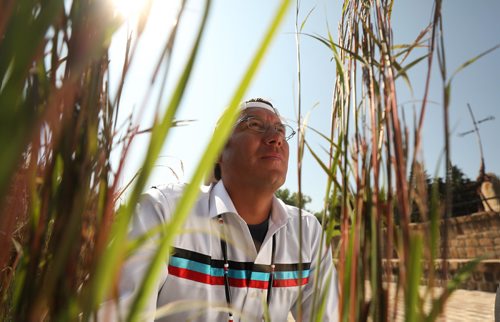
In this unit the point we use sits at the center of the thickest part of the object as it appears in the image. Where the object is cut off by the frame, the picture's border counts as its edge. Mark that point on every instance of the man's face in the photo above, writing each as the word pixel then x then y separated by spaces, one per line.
pixel 253 158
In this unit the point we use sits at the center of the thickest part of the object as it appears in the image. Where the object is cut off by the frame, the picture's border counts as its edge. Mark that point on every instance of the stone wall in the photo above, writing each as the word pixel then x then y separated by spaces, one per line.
pixel 468 237
pixel 471 236
pixel 485 277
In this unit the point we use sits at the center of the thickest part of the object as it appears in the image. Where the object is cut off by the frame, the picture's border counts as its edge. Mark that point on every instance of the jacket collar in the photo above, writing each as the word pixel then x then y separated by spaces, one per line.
pixel 220 203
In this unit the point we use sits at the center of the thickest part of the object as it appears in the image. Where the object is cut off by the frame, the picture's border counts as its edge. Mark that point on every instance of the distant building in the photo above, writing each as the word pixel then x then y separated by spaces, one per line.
pixel 490 192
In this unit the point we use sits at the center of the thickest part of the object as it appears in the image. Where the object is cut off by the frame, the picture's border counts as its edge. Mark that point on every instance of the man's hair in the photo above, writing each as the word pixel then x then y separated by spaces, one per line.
pixel 217 173
pixel 260 100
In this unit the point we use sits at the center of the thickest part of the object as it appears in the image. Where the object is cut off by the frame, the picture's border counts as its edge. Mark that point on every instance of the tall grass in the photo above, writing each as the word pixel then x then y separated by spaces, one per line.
pixel 64 239
pixel 373 175
pixel 58 124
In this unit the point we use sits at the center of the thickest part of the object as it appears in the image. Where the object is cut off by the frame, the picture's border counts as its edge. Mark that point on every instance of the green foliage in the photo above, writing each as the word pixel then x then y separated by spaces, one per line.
pixel 292 199
pixel 64 241
pixel 53 64
pixel 368 192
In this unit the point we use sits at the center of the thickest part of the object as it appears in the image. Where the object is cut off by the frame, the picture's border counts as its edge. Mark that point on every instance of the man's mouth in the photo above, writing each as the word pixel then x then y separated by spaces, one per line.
pixel 273 156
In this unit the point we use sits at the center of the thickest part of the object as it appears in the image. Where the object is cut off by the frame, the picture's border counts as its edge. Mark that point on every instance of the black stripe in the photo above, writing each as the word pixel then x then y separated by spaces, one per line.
pixel 249 266
pixel 197 257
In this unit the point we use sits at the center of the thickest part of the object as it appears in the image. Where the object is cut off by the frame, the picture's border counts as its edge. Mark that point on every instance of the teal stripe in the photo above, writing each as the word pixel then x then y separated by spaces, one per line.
pixel 236 273
pixel 290 275
pixel 208 270
pixel 233 273
pixel 195 266
pixel 260 276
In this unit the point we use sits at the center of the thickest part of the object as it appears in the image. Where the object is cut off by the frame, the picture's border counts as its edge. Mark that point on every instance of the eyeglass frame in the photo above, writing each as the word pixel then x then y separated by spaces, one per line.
pixel 266 126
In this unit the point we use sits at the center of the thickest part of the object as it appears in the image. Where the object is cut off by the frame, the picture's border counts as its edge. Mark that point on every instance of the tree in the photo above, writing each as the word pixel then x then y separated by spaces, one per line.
pixel 292 199
pixel 465 197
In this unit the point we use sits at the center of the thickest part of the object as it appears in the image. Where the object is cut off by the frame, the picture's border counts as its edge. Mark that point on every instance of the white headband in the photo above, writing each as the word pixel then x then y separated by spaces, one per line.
pixel 263 105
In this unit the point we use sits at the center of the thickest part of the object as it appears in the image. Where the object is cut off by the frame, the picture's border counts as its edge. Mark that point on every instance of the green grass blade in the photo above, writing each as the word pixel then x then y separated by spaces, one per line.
pixel 402 71
pixel 460 277
pixel 107 267
pixel 206 162
pixel 472 60
pixel 15 62
pixel 302 25
pixel 323 165
pixel 414 275
pixel 332 45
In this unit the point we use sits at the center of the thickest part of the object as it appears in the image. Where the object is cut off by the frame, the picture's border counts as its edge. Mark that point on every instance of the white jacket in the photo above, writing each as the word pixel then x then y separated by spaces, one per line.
pixel 191 285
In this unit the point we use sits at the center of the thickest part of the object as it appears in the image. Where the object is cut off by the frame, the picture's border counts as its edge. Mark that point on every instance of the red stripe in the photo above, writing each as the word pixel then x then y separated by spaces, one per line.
pixel 238 282
pixel 195 276
pixel 259 284
pixel 234 282
pixel 290 282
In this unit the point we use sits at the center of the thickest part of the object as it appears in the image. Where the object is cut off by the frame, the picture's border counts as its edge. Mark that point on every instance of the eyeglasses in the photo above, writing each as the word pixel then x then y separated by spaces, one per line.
pixel 258 125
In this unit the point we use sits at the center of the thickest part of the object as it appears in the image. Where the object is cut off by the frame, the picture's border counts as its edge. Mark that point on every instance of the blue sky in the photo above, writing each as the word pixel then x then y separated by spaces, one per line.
pixel 231 37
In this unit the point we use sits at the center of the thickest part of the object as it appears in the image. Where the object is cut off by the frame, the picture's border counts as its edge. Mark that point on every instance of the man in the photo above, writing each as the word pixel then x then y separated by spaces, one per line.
pixel 238 255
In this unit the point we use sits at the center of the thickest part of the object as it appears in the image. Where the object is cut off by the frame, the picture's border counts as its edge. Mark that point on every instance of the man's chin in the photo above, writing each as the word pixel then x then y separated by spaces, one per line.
pixel 277 181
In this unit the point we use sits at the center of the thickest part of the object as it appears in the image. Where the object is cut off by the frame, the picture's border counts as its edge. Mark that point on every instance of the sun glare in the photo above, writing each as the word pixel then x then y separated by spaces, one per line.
pixel 130 10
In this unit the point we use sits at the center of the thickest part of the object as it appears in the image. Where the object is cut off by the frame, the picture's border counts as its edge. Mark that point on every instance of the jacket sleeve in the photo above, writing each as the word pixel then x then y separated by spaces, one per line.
pixel 150 212
pixel 325 276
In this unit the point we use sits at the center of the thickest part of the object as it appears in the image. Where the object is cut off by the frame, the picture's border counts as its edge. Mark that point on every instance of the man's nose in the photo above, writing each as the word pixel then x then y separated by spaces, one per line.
pixel 273 136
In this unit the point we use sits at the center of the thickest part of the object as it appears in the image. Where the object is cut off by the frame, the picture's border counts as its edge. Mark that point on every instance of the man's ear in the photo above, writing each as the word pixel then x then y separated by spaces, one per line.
pixel 217 172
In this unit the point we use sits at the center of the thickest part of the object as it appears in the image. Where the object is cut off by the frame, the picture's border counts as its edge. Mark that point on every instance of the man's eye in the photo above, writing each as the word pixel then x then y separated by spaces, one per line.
pixel 255 124
pixel 280 128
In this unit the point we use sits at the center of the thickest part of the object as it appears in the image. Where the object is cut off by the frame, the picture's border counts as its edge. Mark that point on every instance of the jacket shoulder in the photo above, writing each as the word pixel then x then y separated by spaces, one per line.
pixel 294 214
pixel 167 196
pixel 294 211
pixel 170 191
